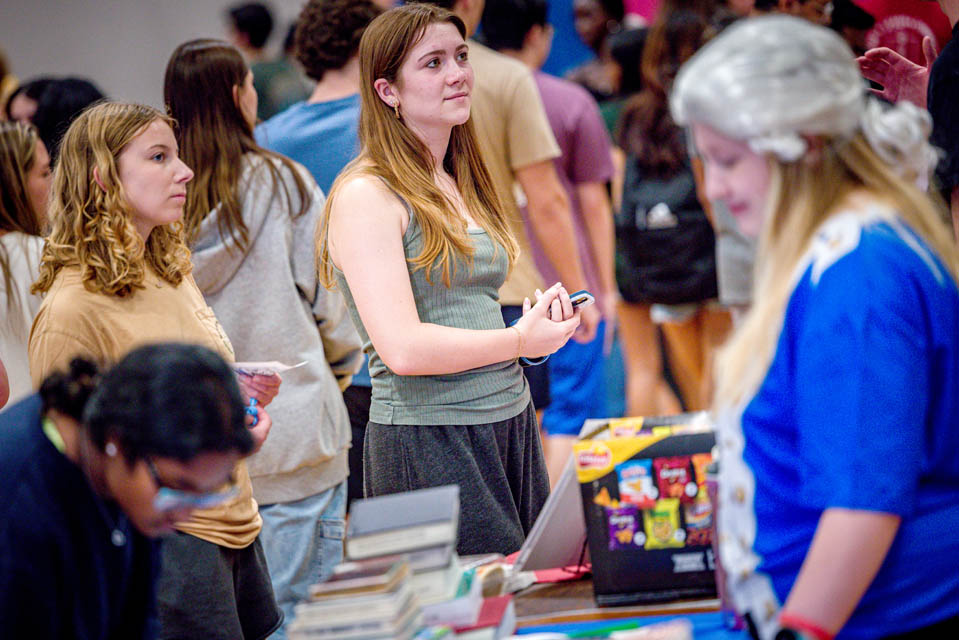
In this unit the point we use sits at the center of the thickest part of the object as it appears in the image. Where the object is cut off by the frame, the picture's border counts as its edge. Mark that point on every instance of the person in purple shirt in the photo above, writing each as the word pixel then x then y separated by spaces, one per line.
pixel 519 28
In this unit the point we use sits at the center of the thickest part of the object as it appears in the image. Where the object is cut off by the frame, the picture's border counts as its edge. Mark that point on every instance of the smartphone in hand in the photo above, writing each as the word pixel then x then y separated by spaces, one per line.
pixel 581 299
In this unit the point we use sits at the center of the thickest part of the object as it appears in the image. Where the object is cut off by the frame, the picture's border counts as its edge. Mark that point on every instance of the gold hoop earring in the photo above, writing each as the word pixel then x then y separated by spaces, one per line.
pixel 396 108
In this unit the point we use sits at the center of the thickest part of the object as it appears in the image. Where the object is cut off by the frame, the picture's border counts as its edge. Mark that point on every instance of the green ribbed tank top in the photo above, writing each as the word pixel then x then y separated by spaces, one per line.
pixel 483 395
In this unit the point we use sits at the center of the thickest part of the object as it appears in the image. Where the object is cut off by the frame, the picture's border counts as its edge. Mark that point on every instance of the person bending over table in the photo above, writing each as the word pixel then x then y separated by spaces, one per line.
pixel 92 469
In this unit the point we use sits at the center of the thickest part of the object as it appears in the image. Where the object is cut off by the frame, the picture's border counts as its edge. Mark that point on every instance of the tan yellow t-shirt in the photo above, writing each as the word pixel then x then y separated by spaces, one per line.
pixel 73 321
pixel 513 132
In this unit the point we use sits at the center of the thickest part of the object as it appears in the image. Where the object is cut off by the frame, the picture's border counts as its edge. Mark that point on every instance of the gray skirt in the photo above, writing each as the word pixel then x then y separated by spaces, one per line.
pixel 213 592
pixel 499 468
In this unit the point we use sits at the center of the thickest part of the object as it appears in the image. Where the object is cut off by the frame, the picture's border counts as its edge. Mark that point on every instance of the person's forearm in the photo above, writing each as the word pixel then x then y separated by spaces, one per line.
pixel 419 348
pixel 432 349
pixel 599 227
pixel 847 551
pixel 553 227
pixel 552 224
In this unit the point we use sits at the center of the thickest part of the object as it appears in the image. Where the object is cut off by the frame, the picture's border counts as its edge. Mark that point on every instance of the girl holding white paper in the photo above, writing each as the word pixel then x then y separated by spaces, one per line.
pixel 116 274
pixel 250 217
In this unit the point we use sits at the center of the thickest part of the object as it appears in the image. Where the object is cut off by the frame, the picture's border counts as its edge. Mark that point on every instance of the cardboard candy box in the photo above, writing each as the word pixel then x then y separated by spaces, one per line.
pixel 648 516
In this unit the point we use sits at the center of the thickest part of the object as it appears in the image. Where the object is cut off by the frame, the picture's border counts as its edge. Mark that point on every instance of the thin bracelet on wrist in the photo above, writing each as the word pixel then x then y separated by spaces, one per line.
pixel 519 341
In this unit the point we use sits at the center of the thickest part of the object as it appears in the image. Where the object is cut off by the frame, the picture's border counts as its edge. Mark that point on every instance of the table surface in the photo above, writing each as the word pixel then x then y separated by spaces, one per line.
pixel 572 601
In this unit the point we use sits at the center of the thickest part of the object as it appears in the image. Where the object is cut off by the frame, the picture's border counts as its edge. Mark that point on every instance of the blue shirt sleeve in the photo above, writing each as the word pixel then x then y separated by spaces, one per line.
pixel 862 384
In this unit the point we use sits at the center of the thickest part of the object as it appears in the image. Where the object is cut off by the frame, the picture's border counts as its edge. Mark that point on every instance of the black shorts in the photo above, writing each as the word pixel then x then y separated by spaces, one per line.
pixel 213 592
pixel 357 401
pixel 537 376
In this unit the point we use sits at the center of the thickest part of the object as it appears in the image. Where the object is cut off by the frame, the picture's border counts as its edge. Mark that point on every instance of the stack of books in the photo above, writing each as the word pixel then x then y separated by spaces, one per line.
pixel 421 525
pixel 364 600
pixel 401 573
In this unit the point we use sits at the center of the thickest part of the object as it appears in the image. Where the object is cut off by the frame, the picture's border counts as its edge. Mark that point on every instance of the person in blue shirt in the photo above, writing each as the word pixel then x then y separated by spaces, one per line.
pixel 321 131
pixel 838 396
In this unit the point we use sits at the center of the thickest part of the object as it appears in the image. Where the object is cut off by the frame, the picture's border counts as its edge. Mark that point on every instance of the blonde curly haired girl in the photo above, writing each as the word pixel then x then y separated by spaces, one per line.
pixel 116 273
pixel 92 224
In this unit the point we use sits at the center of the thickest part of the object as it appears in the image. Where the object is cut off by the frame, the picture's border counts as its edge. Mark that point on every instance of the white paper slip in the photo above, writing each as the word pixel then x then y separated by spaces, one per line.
pixel 264 368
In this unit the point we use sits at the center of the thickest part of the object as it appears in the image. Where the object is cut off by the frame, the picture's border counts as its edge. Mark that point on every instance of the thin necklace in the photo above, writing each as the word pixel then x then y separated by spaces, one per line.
pixel 117 537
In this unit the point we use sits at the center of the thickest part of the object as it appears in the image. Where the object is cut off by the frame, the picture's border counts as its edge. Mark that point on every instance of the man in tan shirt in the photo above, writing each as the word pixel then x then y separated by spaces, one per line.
pixel 518 146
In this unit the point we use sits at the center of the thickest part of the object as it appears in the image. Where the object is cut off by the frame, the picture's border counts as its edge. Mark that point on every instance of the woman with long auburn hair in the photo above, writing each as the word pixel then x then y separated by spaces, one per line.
pixel 414 237
pixel 838 394
pixel 250 216
pixel 24 190
pixel 116 273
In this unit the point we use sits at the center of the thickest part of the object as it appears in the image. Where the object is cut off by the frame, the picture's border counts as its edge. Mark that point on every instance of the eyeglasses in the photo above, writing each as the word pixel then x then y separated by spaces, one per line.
pixel 169 499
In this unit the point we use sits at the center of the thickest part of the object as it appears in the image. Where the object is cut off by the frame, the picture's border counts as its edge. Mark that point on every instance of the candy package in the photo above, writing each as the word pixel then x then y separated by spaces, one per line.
pixel 700 462
pixel 699 521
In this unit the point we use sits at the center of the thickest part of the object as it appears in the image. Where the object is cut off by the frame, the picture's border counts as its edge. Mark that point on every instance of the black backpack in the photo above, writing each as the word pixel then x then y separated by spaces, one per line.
pixel 665 246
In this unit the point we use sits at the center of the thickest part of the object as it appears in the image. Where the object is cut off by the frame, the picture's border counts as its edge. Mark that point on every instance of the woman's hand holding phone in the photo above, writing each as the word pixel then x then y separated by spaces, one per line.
pixel 548 324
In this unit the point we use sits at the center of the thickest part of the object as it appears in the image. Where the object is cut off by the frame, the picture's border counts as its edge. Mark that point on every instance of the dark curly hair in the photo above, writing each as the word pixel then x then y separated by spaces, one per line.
pixel 69 391
pixel 328 33
pixel 167 400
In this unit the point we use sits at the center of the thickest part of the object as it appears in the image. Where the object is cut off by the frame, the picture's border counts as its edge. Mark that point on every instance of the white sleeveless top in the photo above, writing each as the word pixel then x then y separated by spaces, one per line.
pixel 23 254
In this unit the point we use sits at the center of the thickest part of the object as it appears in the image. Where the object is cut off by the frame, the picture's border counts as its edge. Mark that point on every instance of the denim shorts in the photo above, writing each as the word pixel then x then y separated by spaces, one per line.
pixel 303 541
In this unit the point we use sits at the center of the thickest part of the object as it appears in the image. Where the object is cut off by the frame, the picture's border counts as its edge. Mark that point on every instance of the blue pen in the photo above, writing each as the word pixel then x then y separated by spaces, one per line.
pixel 252 411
